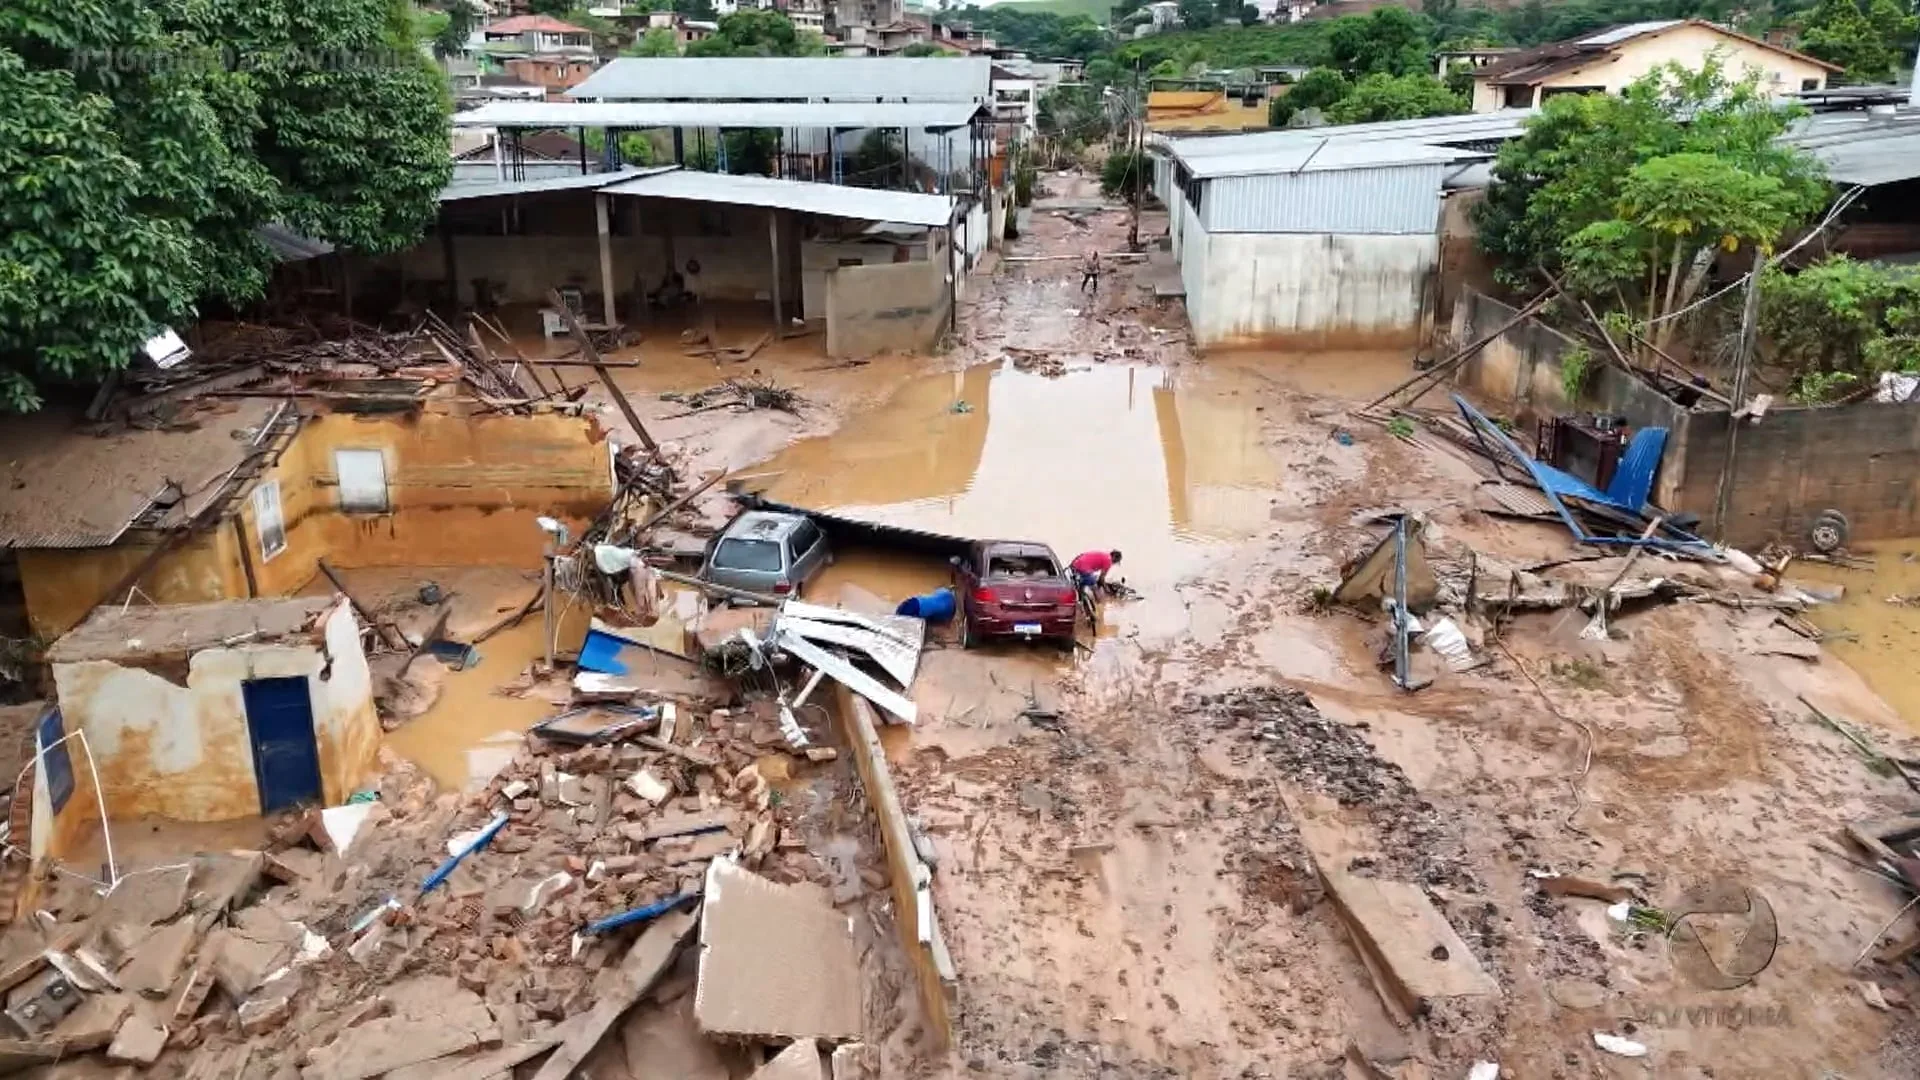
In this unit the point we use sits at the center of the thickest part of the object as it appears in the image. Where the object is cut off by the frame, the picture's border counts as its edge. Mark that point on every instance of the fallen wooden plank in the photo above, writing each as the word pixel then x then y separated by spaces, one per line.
pixel 638 971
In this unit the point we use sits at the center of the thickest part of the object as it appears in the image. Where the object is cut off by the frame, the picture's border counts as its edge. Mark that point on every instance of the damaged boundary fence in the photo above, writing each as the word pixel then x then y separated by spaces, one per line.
pixel 911 879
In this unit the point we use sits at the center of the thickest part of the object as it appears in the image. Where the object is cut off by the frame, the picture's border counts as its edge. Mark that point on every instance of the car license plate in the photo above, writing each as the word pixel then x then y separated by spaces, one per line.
pixel 1027 629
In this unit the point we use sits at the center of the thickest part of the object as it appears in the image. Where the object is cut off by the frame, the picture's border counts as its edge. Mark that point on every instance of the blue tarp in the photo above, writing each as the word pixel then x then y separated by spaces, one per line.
pixel 1632 481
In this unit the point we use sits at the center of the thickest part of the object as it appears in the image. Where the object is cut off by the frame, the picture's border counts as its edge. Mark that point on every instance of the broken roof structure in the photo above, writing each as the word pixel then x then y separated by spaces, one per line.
pixel 61 489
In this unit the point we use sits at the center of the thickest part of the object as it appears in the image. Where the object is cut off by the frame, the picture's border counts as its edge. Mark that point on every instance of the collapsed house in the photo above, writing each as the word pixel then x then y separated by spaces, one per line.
pixel 202 712
pixel 237 474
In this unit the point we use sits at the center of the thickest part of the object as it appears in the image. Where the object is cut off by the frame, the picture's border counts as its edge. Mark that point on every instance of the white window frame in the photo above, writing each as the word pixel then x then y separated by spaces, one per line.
pixel 348 501
pixel 269 519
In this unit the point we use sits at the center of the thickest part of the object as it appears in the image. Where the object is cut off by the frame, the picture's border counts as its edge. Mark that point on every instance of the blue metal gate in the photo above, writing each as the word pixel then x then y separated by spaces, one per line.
pixel 286 756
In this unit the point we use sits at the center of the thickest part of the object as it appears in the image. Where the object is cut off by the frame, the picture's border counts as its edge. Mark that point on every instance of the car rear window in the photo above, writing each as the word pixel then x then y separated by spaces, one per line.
pixel 748 555
pixel 1021 566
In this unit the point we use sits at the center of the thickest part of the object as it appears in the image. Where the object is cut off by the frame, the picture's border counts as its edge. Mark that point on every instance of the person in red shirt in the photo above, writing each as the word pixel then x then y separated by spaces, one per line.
pixel 1089 569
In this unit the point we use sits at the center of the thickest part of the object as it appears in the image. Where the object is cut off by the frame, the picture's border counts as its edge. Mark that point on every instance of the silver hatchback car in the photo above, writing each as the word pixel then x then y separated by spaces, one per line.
pixel 766 551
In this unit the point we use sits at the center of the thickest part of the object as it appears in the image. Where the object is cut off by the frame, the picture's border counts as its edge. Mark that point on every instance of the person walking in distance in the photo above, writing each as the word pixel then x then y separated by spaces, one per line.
pixel 1090 272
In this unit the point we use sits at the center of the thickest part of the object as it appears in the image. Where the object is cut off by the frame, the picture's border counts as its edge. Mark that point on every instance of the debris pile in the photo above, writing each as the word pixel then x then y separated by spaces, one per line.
pixel 1331 758
pixel 352 948
pixel 1037 361
pixel 745 393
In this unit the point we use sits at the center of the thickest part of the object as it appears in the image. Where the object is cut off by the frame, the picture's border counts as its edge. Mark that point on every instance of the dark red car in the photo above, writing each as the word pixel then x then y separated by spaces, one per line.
pixel 1013 589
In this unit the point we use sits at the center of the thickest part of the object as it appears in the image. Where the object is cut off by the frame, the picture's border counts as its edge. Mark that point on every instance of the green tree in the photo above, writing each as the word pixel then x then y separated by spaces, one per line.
pixel 139 158
pixel 1101 71
pixel 1123 172
pixel 457 27
pixel 1869 38
pixel 1199 14
pixel 658 41
pixel 1249 15
pixel 1388 40
pixel 1839 323
pixel 1460 79
pixel 757 33
pixel 1317 89
pixel 1631 196
pixel 1388 97
pixel 925 48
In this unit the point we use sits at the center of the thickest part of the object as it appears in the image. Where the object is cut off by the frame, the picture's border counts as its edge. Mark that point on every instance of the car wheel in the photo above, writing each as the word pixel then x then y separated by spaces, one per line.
pixel 1829 532
pixel 966 633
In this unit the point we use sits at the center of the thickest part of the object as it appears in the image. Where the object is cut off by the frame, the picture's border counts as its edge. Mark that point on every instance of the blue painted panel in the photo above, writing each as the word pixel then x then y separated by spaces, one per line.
pixel 286 756
pixel 56 761
pixel 1633 476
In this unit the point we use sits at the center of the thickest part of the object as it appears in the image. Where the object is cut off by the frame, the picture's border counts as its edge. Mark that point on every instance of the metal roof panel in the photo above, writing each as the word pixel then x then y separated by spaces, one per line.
pixel 784 78
pixel 830 200
pixel 719 114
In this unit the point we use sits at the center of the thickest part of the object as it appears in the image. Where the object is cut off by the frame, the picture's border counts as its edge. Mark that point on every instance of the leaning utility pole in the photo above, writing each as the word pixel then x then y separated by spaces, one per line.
pixel 1742 369
pixel 1136 146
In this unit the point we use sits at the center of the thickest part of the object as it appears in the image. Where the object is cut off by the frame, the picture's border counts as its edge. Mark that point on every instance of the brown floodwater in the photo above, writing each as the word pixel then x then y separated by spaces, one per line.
pixel 1885 635
pixel 1107 456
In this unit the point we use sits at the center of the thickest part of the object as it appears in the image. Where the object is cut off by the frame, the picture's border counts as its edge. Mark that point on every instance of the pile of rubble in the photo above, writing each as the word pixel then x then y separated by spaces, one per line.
pixel 414 936
pixel 1330 758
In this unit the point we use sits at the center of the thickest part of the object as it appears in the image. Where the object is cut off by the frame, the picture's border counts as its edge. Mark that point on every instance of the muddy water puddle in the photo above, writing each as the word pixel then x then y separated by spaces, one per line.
pixel 1884 635
pixel 1104 457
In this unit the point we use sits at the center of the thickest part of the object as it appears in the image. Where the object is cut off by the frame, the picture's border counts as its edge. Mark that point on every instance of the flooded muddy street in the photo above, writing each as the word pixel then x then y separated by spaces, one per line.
pixel 1126 835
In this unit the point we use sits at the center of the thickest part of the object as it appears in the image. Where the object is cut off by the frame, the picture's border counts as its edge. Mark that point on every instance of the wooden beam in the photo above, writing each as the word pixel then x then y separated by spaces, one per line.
pixel 599 366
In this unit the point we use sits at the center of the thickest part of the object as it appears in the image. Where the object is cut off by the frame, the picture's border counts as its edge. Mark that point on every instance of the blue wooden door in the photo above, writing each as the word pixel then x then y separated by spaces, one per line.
pixel 286 757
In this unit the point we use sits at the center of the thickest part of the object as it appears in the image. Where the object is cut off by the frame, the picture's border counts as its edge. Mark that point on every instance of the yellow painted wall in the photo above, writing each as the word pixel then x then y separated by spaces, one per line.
pixel 63 584
pixel 176 744
pixel 464 491
pixel 1228 114
pixel 1688 46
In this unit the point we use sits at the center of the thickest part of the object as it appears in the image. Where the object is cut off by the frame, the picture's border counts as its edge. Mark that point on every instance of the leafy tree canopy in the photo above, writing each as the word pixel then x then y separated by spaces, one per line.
pixel 1631 196
pixel 926 48
pixel 1395 97
pixel 1386 41
pixel 1042 34
pixel 1317 89
pixel 1199 14
pixel 757 33
pixel 143 141
pixel 658 41
pixel 1839 323
pixel 1235 47
pixel 1871 39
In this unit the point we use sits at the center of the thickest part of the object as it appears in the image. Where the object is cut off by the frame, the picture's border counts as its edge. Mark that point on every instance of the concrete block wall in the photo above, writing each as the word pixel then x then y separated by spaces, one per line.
pixel 1320 290
pixel 1794 463
pixel 1862 460
pixel 901 307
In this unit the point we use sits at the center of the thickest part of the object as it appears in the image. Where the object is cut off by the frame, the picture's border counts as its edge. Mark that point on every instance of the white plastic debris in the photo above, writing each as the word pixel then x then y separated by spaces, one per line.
pixel 342 824
pixel 1620 911
pixel 1484 1070
pixel 1744 562
pixel 649 787
pixel 1614 1044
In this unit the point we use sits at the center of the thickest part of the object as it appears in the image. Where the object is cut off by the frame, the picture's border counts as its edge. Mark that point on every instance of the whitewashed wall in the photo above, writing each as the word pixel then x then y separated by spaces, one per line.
pixel 1311 288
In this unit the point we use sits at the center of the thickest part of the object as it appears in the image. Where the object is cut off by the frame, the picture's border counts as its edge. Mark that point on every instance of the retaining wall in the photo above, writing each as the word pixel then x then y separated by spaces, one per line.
pixel 1791 465
pixel 901 307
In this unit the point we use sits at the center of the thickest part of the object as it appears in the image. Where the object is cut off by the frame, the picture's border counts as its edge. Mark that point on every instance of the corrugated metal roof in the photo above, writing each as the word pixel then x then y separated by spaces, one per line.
pixel 1874 153
pixel 831 200
pixel 1617 34
pixel 1387 200
pixel 457 192
pixel 1434 131
pixel 1326 155
pixel 718 114
pixel 63 488
pixel 784 78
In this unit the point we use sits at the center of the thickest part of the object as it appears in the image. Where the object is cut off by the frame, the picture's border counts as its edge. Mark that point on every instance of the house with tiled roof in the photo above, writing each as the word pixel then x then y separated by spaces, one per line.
pixel 1607 61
